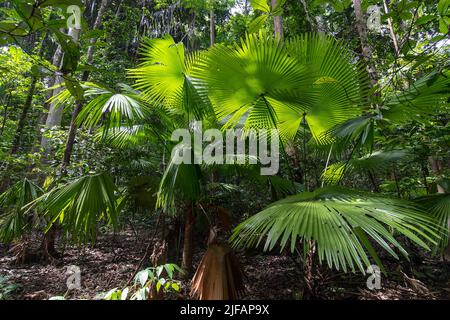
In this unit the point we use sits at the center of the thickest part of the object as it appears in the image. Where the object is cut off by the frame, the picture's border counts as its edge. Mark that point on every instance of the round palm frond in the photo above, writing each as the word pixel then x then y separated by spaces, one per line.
pixel 270 83
pixel 375 161
pixel 438 205
pixel 180 181
pixel 164 77
pixel 111 108
pixel 14 221
pixel 81 204
pixel 342 223
pixel 427 96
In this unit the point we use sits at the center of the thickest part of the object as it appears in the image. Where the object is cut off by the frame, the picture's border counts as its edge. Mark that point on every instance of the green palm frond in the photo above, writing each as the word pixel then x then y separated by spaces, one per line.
pixel 438 205
pixel 81 204
pixel 110 108
pixel 340 84
pixel 180 182
pixel 375 161
pixel 124 136
pixel 274 84
pixel 342 223
pixel 428 95
pixel 164 77
pixel 358 131
pixel 14 221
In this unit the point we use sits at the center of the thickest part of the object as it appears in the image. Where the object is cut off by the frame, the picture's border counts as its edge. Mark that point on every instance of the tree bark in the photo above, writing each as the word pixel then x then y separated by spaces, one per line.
pixel 55 112
pixel 79 104
pixel 28 103
pixel 188 240
pixel 311 20
pixel 436 166
pixel 366 49
pixel 391 29
pixel 49 242
pixel 23 116
pixel 212 27
pixel 277 22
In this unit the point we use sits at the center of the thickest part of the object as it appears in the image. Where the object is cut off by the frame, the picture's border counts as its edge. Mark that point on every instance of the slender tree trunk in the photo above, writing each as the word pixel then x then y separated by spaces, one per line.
pixel 277 22
pixel 55 112
pixel 391 29
pixel 311 20
pixel 311 273
pixel 49 241
pixel 212 27
pixel 23 116
pixel 5 113
pixel 436 166
pixel 188 240
pixel 366 49
pixel 79 104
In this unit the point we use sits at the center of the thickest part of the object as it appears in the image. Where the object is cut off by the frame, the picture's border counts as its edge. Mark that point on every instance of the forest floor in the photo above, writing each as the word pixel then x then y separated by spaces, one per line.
pixel 114 258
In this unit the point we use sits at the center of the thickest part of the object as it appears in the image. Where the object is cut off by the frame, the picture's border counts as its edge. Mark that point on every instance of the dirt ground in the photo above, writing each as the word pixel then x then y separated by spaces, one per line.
pixel 113 259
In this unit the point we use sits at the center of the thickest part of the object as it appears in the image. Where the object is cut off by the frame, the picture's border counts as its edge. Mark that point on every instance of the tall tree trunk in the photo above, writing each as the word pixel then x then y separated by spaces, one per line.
pixel 189 223
pixel 55 112
pixel 436 167
pixel 5 113
pixel 23 116
pixel 79 104
pixel 391 29
pixel 310 19
pixel 366 49
pixel 212 27
pixel 54 119
pixel 277 22
pixel 49 242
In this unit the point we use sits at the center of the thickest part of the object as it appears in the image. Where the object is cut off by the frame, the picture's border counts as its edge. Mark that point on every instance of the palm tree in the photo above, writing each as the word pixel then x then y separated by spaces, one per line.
pixel 266 83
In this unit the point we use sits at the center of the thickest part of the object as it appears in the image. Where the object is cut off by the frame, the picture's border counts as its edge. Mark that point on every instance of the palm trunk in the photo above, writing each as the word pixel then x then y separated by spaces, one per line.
pixel 188 240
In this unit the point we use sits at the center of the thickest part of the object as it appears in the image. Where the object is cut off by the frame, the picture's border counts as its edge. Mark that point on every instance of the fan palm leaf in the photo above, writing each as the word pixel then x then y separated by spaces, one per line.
pixel 428 95
pixel 81 204
pixel 274 84
pixel 375 161
pixel 110 108
pixel 438 205
pixel 180 181
pixel 341 222
pixel 164 77
pixel 14 221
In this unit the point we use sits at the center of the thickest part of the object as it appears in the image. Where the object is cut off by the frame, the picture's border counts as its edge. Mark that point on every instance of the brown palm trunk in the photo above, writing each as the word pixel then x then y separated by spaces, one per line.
pixel 188 240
